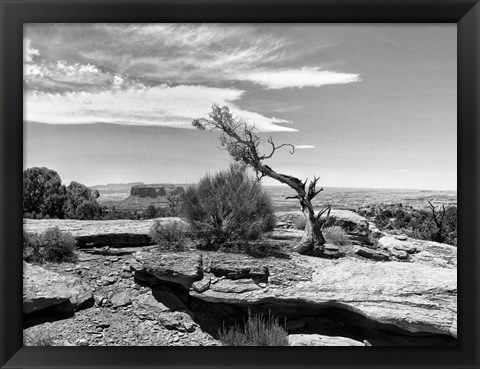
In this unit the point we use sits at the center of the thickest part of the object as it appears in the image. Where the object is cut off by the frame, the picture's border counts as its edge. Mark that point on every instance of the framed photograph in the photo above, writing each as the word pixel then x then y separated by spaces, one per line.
pixel 197 184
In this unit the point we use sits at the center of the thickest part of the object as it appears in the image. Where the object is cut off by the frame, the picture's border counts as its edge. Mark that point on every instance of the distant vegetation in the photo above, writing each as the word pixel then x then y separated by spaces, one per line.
pixel 437 224
pixel 228 206
pixel 44 197
pixel 53 245
pixel 257 331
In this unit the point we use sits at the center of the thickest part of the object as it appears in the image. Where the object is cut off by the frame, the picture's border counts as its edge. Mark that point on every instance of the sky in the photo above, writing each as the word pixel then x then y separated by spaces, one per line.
pixel 365 105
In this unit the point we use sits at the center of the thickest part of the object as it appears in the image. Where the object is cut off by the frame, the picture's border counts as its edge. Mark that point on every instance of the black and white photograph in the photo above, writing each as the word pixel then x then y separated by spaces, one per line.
pixel 240 184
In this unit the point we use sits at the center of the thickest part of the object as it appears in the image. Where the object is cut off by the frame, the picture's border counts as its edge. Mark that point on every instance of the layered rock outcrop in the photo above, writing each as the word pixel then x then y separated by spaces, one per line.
pixel 417 297
pixel 43 289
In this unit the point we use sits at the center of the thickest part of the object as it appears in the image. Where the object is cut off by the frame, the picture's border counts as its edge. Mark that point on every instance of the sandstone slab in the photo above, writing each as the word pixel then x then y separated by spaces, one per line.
pixel 321 340
pixel 179 268
pixel 99 233
pixel 43 289
pixel 416 297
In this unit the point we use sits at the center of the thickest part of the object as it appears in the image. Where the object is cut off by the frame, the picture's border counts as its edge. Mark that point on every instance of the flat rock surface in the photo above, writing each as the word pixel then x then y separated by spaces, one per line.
pixel 100 233
pixel 321 340
pixel 93 227
pixel 43 289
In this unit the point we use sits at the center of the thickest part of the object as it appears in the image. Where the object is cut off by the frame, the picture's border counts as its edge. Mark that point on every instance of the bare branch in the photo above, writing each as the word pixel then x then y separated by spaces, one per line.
pixel 275 148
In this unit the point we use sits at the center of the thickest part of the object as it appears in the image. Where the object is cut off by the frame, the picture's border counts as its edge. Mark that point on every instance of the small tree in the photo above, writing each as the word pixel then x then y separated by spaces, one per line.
pixel 239 140
pixel 81 202
pixel 445 221
pixel 43 193
pixel 88 210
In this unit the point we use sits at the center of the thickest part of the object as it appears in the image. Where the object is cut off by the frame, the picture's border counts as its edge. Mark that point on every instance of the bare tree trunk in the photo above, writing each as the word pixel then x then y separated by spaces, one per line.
pixel 312 239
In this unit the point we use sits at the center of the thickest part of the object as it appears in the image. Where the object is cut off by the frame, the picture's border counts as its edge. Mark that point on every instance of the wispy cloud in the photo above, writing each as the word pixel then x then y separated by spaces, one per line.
pixel 304 77
pixel 156 106
pixel 301 147
pixel 158 74
pixel 181 54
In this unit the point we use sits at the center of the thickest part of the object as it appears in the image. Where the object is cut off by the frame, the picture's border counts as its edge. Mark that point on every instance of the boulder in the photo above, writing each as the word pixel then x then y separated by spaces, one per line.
pixel 421 251
pixel 202 285
pixel 147 307
pixel 175 267
pixel 320 340
pixel 121 299
pixel 43 289
pixel 347 219
pixel 370 253
pixel 394 243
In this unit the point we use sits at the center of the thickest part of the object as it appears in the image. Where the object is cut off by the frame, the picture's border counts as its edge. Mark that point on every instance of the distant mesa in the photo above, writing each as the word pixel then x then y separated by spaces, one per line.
pixel 156 190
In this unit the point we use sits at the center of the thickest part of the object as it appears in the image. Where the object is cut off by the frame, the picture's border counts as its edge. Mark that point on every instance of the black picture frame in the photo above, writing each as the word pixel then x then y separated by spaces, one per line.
pixel 14 13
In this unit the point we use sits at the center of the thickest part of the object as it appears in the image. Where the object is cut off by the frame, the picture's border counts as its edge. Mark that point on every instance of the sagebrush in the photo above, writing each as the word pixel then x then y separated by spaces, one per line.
pixel 257 331
pixel 170 235
pixel 336 235
pixel 53 245
pixel 228 206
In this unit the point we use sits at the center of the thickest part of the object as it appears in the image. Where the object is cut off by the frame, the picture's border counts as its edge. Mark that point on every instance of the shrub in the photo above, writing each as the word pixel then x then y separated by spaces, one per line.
pixel 171 235
pixel 257 331
pixel 228 206
pixel 336 235
pixel 53 245
pixel 31 248
pixel 300 223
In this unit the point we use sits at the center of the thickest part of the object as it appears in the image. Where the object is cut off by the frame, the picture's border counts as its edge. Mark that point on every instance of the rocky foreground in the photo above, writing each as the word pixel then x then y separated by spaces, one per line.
pixel 383 290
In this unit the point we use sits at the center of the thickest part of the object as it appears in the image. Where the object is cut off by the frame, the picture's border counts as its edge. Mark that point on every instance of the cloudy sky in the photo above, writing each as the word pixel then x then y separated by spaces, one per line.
pixel 365 105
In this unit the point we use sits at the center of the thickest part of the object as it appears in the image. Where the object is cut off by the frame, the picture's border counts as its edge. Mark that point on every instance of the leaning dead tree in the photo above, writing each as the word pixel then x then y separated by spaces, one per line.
pixel 238 139
pixel 438 220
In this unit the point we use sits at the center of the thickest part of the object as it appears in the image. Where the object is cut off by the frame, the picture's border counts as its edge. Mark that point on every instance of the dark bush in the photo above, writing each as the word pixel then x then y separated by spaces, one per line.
pixel 88 210
pixel 257 331
pixel 228 206
pixel 150 212
pixel 31 248
pixel 53 245
pixel 417 223
pixel 169 235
